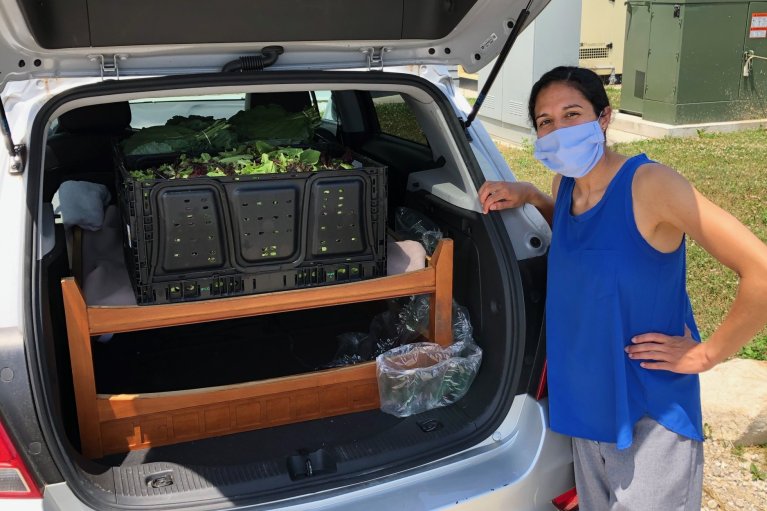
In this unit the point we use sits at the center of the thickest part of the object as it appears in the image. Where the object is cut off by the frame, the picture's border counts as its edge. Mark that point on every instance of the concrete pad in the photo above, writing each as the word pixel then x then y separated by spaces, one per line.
pixel 616 136
pixel 625 127
pixel 734 400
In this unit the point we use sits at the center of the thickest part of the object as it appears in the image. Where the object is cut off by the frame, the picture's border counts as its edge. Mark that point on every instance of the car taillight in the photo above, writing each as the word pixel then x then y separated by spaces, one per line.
pixel 15 480
pixel 543 389
pixel 568 501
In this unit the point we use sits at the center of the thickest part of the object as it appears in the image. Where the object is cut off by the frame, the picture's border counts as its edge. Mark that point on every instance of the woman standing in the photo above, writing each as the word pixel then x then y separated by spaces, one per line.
pixel 623 350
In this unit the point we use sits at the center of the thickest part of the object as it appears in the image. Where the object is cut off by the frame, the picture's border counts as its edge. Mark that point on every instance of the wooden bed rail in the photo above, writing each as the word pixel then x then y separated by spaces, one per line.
pixel 117 423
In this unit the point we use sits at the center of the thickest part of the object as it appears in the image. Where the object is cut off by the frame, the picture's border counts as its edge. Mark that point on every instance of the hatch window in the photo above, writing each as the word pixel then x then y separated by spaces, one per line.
pixel 156 111
pixel 396 118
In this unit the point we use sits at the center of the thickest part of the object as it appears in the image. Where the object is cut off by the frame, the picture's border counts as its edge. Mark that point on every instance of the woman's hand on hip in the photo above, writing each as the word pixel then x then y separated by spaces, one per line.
pixel 670 353
pixel 497 195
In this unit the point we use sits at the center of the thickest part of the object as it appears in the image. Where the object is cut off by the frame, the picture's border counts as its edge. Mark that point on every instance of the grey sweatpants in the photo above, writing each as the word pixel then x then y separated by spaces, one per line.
pixel 661 471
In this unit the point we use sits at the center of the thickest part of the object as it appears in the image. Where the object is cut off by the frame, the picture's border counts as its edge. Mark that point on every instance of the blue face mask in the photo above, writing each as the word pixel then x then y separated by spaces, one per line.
pixel 572 151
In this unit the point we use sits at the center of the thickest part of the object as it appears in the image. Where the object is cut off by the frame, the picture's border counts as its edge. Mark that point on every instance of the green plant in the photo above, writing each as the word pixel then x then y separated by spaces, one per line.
pixel 257 158
pixel 614 95
pixel 757 474
pixel 756 349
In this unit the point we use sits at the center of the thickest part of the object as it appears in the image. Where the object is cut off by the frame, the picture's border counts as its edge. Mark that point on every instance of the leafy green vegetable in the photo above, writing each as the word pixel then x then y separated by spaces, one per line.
pixel 142 175
pixel 272 122
pixel 196 133
pixel 181 134
pixel 309 157
pixel 264 147
pixel 257 158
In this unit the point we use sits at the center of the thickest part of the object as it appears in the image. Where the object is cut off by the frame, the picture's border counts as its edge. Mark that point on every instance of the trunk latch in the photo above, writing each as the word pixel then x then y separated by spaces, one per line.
pixel 161 480
pixel 429 425
pixel 309 464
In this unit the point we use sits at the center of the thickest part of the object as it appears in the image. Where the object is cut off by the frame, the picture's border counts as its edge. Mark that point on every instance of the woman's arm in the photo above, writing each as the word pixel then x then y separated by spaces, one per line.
pixel 498 195
pixel 672 200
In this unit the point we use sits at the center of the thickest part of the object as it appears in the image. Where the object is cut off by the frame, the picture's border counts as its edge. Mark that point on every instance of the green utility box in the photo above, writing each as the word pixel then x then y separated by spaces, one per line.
pixel 695 61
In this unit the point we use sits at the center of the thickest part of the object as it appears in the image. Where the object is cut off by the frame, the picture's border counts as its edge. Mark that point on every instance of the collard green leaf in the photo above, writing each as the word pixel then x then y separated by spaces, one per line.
pixel 272 122
pixel 310 156
pixel 264 147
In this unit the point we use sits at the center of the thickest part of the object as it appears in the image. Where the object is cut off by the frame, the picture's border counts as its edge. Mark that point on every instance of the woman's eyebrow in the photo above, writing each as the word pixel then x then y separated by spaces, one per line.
pixel 574 105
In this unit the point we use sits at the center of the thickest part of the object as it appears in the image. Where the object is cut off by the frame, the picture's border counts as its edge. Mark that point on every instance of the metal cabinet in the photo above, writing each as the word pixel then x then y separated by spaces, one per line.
pixel 684 60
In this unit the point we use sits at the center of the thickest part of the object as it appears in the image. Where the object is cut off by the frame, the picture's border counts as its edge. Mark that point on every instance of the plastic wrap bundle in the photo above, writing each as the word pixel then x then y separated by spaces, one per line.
pixel 412 225
pixel 353 348
pixel 414 320
pixel 403 323
pixel 418 377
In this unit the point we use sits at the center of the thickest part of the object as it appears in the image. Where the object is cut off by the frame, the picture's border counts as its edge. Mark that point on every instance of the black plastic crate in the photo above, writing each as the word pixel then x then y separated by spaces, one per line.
pixel 206 237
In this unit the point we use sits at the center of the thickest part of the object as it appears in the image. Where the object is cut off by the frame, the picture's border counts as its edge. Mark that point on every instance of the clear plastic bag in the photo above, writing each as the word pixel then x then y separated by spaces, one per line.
pixel 405 322
pixel 353 348
pixel 412 225
pixel 387 332
pixel 418 377
pixel 462 329
pixel 414 319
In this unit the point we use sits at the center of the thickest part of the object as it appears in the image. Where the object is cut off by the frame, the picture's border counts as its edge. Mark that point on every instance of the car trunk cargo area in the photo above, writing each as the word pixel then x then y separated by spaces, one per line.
pixel 225 352
pixel 271 462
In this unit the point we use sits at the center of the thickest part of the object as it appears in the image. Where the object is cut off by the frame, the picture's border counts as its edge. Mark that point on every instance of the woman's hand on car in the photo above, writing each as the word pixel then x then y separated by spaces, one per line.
pixel 497 195
pixel 679 354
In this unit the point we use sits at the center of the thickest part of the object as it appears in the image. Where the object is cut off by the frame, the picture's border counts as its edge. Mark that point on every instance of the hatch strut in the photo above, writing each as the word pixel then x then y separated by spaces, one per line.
pixel 15 151
pixel 516 29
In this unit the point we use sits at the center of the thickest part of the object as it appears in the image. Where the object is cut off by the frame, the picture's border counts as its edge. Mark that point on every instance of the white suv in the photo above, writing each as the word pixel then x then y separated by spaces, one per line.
pixel 78 76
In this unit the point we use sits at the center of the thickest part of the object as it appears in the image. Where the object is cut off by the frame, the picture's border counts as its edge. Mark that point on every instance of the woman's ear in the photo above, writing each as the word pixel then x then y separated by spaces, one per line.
pixel 606 117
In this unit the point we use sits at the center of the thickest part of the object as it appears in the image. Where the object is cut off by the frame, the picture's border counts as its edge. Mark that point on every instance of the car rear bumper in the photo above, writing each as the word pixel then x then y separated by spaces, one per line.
pixel 519 470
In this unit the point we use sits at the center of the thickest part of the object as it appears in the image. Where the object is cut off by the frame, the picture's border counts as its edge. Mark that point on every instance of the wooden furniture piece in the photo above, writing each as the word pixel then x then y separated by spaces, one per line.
pixel 120 422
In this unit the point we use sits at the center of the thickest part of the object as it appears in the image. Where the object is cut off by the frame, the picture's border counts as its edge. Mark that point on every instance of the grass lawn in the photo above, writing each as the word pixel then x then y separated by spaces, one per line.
pixel 730 170
pixel 614 95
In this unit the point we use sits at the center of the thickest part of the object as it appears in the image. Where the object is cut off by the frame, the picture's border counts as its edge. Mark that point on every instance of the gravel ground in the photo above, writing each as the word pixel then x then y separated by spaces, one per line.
pixel 734 478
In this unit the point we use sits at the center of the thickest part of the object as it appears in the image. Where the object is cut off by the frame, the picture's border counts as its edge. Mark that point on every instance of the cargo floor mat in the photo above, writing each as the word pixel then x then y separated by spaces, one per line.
pixel 256 461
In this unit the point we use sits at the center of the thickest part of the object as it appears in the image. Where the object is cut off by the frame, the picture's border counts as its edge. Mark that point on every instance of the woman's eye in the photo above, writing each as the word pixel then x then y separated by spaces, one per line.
pixel 571 114
pixel 543 122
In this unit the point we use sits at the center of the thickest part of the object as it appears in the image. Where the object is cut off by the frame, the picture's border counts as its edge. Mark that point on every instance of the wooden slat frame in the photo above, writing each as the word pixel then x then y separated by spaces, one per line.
pixel 116 423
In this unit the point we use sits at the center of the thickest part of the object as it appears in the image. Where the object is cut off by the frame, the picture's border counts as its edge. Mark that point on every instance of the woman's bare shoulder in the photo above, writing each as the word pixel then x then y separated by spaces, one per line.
pixel 657 181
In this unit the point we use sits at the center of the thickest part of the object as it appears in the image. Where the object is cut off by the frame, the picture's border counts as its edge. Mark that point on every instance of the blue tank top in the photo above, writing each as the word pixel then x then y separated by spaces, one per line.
pixel 606 284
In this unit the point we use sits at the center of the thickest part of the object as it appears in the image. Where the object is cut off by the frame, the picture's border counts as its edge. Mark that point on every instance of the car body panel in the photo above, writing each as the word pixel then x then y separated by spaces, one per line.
pixel 474 41
pixel 503 473
pixel 520 466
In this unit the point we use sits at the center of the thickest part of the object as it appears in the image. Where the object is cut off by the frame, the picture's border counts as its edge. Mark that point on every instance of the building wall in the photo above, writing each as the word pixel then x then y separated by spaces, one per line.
pixel 603 32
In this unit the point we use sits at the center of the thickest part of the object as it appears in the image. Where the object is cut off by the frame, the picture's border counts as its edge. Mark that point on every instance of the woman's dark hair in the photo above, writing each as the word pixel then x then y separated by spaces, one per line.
pixel 587 82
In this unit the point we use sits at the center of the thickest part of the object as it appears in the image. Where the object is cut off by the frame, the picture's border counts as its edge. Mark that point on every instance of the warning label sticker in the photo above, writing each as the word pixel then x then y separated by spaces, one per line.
pixel 759 20
pixel 758 25
pixel 493 38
